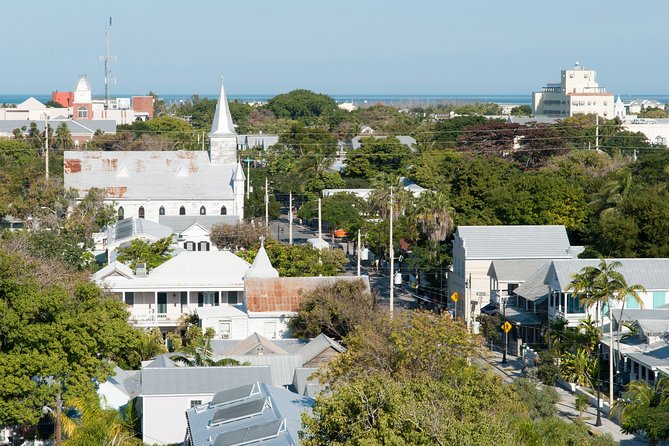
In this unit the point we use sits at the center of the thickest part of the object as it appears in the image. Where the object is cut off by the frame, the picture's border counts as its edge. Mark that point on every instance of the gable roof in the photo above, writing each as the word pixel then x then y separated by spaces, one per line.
pixel 114 269
pixel 317 346
pixel 534 288
pixel 651 273
pixel 262 266
pixel 31 104
pixel 253 342
pixel 126 381
pixel 514 270
pixel 515 242
pixel 156 175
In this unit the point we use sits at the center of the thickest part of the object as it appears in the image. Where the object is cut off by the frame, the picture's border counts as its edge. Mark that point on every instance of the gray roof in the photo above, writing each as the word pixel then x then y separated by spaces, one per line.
pixel 266 416
pixel 133 227
pixel 76 128
pixel 127 381
pixel 535 119
pixel 255 341
pixel 515 242
pixel 317 346
pixel 180 223
pixel 403 139
pixel 521 317
pixel 634 314
pixel 282 366
pixel 515 270
pixel 200 380
pixel 166 175
pixel 651 273
pixel 291 345
pixel 651 327
pixel 657 357
pixel 534 288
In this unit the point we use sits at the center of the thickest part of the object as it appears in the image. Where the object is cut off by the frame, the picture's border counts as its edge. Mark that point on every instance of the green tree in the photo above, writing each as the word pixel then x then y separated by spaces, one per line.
pixel 54 323
pixel 342 211
pixel 521 110
pixel 434 215
pixel 237 236
pixel 152 253
pixel 645 409
pixel 97 425
pixel 539 400
pixel 378 155
pixel 63 137
pixel 302 105
pixel 199 352
pixel 653 112
pixel 334 310
pixel 300 260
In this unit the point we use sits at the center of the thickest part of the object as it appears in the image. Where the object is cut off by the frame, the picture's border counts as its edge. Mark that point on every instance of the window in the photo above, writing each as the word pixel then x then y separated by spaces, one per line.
pixel 224 329
pixel 224 211
pixel 195 403
pixel 203 210
pixel 184 298
pixel 161 211
pixel 207 299
pixel 120 213
pixel 189 246
pixel 659 299
pixel 82 112
pixel 574 305
pixel 234 297
pixel 182 210
pixel 129 298
pixel 632 303
pixel 203 246
pixel 141 212
pixel 162 303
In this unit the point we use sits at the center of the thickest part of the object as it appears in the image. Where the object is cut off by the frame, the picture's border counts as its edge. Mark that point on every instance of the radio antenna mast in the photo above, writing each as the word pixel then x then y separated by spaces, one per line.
pixel 107 59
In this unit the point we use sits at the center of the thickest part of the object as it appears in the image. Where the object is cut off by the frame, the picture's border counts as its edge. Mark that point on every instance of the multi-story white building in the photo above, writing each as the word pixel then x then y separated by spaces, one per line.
pixel 577 92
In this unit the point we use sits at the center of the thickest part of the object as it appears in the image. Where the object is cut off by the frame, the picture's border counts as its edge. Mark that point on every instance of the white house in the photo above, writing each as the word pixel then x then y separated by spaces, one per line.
pixel 150 184
pixel 168 391
pixel 180 286
pixel 475 247
pixel 577 92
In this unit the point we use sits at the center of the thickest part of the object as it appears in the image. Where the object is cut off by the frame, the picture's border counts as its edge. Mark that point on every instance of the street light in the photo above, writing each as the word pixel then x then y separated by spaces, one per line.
pixel 506 333
pixel 50 381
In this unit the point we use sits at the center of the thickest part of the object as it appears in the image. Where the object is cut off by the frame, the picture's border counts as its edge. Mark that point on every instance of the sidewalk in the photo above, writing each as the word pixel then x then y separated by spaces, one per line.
pixel 565 406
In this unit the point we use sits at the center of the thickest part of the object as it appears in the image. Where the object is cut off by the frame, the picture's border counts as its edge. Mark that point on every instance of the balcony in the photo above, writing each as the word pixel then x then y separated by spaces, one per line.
pixel 152 319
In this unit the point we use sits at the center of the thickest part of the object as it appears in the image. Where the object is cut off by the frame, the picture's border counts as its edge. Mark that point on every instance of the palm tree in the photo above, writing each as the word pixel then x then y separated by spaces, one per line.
pixel 645 409
pixel 199 353
pixel 613 192
pixel 97 425
pixel 435 215
pixel 380 196
pixel 579 367
pixel 601 284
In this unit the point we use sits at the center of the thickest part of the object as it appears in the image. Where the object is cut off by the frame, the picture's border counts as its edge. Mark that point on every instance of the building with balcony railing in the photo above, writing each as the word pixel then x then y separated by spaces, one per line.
pixel 577 92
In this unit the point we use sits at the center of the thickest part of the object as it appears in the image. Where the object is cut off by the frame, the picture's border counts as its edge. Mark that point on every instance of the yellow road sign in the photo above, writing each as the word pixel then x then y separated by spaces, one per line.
pixel 455 296
pixel 506 327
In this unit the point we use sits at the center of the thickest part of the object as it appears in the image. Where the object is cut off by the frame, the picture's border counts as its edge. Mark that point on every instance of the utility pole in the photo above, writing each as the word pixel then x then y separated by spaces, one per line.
pixel 597 133
pixel 290 217
pixel 320 227
pixel 57 433
pixel 392 258
pixel 358 252
pixel 46 147
pixel 266 205
pixel 203 141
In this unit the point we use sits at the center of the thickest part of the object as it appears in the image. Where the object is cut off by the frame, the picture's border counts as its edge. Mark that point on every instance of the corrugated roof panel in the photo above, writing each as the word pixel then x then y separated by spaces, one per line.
pixel 653 274
pixel 515 242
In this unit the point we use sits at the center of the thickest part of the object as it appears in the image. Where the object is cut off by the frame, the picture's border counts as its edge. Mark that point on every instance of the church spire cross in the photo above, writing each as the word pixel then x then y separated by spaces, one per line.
pixel 222 125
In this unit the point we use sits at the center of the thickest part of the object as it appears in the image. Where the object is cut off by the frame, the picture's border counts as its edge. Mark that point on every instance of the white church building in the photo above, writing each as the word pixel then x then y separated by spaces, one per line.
pixel 151 184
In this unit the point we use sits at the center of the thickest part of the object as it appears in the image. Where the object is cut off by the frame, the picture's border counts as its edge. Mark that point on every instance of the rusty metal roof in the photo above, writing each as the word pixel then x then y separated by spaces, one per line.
pixel 165 175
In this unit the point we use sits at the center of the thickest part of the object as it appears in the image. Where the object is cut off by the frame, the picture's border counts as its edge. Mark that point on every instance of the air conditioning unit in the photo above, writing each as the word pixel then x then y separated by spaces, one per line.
pixel 141 270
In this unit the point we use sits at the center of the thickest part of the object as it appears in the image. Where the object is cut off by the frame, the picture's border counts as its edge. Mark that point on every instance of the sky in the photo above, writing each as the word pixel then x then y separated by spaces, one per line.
pixel 364 47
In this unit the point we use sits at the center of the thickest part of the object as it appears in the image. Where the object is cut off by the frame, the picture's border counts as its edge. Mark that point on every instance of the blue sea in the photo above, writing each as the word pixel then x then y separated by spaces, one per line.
pixel 407 100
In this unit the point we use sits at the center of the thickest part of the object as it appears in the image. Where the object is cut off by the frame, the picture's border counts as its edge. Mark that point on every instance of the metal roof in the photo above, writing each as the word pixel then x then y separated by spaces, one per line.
pixel 76 128
pixel 658 357
pixel 277 424
pixel 253 342
pixel 634 314
pixel 653 274
pixel 515 242
pixel 200 380
pixel 317 346
pixel 262 266
pixel 302 379
pixel 133 227
pixel 154 175
pixel 514 270
pixel 534 288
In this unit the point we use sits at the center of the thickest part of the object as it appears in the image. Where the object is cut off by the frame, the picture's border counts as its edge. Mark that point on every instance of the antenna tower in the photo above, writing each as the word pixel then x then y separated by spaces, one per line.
pixel 107 59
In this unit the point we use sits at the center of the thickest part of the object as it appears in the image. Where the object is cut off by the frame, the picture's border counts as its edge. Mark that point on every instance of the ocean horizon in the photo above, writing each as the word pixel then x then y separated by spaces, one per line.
pixel 408 100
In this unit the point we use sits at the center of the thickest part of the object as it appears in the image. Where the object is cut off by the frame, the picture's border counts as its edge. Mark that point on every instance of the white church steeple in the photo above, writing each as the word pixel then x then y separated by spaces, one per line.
pixel 222 138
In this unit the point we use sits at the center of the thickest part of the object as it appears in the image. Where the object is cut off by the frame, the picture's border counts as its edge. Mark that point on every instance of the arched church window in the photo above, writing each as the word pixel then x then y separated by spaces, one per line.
pixel 121 213
pixel 224 210
pixel 82 112
pixel 161 211
pixel 203 210
pixel 141 212
pixel 182 210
